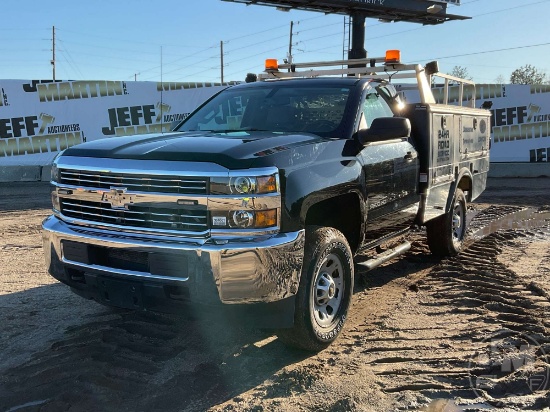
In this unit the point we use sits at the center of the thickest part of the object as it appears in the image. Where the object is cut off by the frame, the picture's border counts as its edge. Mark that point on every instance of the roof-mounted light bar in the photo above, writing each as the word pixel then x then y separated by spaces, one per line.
pixel 392 57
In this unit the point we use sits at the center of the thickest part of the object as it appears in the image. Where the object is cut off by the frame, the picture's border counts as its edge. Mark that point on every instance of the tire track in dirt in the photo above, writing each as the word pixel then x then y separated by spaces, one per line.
pixel 468 306
pixel 106 355
pixel 119 360
pixel 414 335
pixel 428 338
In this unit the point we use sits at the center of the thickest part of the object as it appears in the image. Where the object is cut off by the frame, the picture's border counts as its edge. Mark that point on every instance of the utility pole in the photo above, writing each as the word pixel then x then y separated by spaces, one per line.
pixel 290 44
pixel 53 53
pixel 221 58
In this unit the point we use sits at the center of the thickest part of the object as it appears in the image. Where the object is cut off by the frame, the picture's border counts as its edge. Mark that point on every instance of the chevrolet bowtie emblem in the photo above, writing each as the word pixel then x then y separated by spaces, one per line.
pixel 119 198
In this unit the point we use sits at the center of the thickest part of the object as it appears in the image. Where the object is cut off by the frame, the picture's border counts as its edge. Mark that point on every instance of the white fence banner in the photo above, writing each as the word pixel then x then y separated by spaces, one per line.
pixel 40 118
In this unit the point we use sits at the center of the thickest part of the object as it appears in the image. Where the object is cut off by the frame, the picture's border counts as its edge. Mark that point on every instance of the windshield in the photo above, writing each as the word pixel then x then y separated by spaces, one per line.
pixel 276 108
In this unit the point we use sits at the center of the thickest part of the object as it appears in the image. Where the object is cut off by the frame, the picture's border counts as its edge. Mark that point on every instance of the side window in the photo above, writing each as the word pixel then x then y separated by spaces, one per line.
pixel 375 106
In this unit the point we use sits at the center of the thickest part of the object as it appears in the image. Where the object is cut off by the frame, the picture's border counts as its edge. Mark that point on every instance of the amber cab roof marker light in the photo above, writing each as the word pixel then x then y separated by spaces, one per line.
pixel 271 65
pixel 393 56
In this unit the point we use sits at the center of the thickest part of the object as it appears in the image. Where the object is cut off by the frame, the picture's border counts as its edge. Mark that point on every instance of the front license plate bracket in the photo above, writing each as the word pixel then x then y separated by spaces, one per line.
pixel 120 293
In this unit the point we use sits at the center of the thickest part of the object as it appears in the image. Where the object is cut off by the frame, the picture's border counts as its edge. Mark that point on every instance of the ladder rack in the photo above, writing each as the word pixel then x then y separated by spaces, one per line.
pixel 367 68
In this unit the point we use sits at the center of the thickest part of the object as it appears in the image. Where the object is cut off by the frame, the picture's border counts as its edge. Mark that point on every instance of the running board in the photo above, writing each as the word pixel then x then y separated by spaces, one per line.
pixel 385 256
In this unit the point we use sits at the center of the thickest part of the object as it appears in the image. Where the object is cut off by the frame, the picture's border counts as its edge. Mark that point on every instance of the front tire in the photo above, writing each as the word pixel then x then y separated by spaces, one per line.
pixel 446 233
pixel 324 295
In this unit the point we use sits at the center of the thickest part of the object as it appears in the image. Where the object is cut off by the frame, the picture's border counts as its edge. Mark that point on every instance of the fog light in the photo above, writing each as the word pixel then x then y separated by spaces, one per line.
pixel 242 219
pixel 54 173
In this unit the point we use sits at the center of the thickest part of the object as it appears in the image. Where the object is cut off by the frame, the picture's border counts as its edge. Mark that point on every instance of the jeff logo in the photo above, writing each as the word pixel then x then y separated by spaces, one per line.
pixel 519 123
pixel 36 134
pixel 3 98
pixel 130 120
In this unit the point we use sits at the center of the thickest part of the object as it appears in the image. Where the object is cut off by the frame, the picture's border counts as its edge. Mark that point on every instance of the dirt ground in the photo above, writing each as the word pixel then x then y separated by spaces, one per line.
pixel 462 334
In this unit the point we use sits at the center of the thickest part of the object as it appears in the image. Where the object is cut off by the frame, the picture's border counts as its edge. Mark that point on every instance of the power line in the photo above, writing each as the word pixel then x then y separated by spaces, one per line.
pixel 141 51
pixel 129 41
pixel 512 8
pixel 490 51
pixel 269 30
pixel 72 62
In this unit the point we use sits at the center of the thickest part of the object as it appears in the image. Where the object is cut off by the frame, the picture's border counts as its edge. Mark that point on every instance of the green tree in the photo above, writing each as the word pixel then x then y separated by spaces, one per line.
pixel 528 75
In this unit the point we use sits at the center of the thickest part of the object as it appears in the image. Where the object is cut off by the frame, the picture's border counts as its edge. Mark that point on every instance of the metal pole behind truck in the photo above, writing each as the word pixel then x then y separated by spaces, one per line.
pixel 357 50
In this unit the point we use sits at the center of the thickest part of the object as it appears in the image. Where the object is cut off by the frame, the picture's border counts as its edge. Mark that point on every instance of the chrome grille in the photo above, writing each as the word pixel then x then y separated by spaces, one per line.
pixel 192 219
pixel 135 182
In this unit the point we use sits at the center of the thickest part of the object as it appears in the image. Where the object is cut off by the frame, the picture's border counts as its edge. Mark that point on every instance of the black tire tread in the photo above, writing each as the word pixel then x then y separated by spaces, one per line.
pixel 300 335
pixel 439 231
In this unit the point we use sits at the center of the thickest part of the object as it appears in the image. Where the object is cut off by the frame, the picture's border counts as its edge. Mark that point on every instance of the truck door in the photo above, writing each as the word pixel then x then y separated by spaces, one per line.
pixel 391 175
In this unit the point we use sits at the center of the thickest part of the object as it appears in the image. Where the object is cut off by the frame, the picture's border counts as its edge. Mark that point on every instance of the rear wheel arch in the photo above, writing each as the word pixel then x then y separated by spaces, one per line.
pixel 464 183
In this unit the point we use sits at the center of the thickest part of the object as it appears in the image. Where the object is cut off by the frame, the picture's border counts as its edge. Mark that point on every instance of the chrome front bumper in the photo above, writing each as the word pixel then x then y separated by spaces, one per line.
pixel 243 270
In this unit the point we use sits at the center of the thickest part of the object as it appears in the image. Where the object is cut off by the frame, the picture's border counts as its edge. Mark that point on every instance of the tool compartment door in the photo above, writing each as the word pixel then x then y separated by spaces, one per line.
pixel 445 142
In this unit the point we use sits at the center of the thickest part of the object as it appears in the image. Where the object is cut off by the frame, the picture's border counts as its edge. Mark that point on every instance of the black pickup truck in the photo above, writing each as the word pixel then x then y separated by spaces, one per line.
pixel 262 197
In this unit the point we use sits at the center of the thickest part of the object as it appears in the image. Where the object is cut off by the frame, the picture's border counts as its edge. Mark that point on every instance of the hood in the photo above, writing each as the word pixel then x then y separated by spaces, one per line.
pixel 232 150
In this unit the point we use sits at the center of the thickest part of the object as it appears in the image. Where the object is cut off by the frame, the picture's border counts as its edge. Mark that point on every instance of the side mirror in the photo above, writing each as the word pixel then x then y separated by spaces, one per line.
pixel 385 128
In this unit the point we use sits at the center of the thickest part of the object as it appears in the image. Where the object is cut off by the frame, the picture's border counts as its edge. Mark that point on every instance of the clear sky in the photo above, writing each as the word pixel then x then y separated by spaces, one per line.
pixel 128 39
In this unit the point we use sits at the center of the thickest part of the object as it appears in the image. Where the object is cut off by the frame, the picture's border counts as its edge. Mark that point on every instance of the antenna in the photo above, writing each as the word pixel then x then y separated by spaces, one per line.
pixel 161 94
pixel 221 58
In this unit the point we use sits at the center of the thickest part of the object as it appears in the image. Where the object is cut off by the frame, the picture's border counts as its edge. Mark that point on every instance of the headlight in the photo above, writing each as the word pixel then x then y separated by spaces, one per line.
pixel 55 173
pixel 55 169
pixel 245 201
pixel 244 185
pixel 245 219
pixel 242 219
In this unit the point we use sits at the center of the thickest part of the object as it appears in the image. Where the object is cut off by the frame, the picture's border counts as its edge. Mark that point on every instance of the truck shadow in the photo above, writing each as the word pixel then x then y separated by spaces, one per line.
pixel 97 358
pixel 123 360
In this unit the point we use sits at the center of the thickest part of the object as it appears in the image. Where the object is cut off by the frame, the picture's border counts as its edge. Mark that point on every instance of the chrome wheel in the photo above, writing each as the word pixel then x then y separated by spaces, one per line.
pixel 459 221
pixel 327 294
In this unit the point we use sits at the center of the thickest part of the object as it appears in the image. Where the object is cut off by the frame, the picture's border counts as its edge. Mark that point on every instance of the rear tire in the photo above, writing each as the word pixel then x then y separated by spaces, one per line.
pixel 324 295
pixel 446 233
